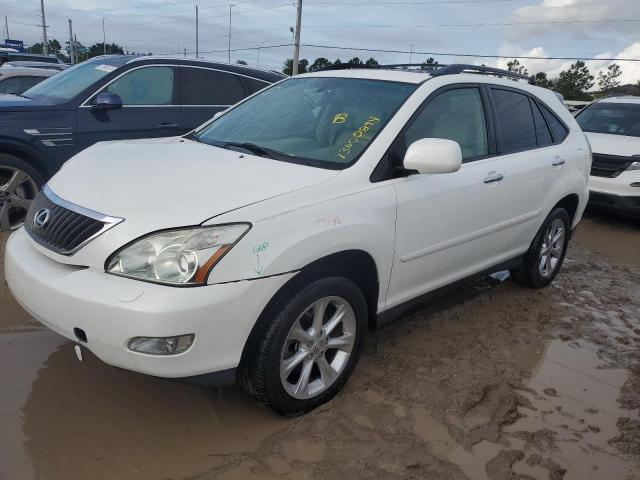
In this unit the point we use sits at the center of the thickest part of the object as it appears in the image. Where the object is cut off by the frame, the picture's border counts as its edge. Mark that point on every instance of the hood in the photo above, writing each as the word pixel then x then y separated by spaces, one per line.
pixel 173 182
pixel 608 144
pixel 8 100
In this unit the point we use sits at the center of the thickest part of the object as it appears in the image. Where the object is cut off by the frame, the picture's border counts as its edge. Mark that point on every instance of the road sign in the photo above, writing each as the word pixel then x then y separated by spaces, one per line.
pixel 17 44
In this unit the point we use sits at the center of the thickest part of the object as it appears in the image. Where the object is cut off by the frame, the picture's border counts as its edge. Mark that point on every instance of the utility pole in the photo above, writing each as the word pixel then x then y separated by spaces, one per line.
pixel 45 42
pixel 6 26
pixel 411 54
pixel 104 39
pixel 75 47
pixel 197 51
pixel 71 52
pixel 296 46
pixel 229 47
pixel 185 53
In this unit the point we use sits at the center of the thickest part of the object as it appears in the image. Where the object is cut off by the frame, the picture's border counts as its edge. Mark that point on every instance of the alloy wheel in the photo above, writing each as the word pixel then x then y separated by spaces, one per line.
pixel 17 191
pixel 552 248
pixel 317 348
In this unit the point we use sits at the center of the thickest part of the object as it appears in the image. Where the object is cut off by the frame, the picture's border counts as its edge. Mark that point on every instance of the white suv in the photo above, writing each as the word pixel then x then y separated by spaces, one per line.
pixel 262 246
pixel 612 126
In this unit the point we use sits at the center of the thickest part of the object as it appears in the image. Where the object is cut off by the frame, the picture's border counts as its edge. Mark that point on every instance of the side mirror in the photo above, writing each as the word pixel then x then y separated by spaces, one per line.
pixel 108 101
pixel 433 155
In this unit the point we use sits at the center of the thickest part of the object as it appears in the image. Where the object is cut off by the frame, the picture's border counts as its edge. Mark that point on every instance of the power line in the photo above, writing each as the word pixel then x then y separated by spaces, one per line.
pixel 473 55
pixel 435 2
pixel 464 25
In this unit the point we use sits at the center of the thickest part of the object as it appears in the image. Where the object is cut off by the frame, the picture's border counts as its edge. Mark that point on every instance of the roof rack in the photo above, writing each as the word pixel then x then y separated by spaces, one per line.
pixel 404 66
pixel 462 68
pixel 435 70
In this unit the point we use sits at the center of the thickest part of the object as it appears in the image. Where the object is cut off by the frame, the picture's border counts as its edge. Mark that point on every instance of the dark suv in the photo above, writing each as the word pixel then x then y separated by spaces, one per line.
pixel 107 98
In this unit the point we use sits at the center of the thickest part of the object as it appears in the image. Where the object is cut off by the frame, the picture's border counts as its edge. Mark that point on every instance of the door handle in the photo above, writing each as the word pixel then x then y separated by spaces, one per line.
pixel 497 177
pixel 167 125
pixel 558 162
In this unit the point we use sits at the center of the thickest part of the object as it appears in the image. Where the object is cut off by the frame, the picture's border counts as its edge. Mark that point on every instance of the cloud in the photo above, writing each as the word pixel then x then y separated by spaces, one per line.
pixel 630 70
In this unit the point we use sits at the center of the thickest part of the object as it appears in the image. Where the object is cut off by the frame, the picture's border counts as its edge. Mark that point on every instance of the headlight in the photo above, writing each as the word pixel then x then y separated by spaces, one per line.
pixel 634 166
pixel 176 257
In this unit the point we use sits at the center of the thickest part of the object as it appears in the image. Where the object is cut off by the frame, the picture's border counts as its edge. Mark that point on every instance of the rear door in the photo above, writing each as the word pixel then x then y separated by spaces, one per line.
pixel 530 161
pixel 206 91
pixel 150 108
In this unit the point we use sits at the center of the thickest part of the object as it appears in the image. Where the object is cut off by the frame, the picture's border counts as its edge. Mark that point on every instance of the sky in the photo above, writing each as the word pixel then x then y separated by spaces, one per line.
pixel 540 28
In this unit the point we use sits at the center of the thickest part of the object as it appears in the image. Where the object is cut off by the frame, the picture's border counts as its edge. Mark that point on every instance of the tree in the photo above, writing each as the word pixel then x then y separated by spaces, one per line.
pixel 355 61
pixel 242 62
pixel 574 83
pixel 53 48
pixel 608 80
pixel 98 49
pixel 429 64
pixel 542 80
pixel 515 67
pixel 288 66
pixel 372 62
pixel 320 63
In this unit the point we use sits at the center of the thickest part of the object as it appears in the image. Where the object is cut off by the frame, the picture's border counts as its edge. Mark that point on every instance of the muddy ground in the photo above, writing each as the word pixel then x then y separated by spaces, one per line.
pixel 492 382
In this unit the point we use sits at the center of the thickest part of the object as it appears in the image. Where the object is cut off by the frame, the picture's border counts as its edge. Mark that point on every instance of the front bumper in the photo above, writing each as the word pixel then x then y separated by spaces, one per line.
pixel 628 206
pixel 111 310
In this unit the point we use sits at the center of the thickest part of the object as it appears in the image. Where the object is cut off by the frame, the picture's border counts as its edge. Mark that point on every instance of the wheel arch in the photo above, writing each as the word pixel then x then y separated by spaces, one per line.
pixel 356 265
pixel 27 154
pixel 570 203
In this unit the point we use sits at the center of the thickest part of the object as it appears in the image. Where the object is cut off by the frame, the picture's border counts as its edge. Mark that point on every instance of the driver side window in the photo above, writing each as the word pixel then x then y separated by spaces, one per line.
pixel 457 115
pixel 145 86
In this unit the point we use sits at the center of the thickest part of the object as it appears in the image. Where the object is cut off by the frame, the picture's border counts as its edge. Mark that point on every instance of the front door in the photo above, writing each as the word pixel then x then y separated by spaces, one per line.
pixel 449 226
pixel 149 107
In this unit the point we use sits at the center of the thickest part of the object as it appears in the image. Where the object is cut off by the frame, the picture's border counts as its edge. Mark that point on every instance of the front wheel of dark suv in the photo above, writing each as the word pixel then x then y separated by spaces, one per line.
pixel 19 184
pixel 306 347
pixel 543 260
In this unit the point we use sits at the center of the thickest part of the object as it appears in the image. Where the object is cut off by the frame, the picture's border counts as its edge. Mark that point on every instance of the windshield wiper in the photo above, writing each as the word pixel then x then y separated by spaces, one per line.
pixel 257 150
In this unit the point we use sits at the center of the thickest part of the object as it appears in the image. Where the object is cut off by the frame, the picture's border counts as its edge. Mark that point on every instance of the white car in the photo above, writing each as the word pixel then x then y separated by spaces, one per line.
pixel 262 246
pixel 612 126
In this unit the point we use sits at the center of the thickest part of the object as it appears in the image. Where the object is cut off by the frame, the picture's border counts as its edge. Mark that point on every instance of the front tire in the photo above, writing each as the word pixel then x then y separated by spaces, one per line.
pixel 306 346
pixel 543 260
pixel 19 185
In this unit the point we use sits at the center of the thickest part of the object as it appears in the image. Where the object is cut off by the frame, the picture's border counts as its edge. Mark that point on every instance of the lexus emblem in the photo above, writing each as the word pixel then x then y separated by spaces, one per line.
pixel 41 218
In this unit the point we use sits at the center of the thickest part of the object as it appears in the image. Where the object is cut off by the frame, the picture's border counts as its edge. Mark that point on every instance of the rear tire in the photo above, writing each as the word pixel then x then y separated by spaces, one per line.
pixel 543 260
pixel 315 334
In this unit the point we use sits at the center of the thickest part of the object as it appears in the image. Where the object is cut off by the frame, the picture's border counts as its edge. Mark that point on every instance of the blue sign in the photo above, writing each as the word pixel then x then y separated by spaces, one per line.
pixel 17 44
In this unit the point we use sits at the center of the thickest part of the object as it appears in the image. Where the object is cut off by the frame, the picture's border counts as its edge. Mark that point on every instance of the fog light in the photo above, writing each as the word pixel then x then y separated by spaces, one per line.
pixel 161 345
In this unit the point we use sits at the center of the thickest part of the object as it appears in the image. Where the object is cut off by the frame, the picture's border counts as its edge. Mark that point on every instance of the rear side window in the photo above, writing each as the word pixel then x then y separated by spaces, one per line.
pixel 210 87
pixel 558 129
pixel 18 85
pixel 252 85
pixel 515 120
pixel 543 134
pixel 456 115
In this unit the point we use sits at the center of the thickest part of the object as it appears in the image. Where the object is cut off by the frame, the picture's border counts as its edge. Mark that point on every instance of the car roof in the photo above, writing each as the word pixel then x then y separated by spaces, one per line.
pixel 33 64
pixel 258 73
pixel 621 99
pixel 26 72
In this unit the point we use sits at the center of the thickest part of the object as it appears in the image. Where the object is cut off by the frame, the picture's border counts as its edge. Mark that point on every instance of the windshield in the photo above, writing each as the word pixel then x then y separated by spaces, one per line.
pixel 611 118
pixel 63 86
pixel 326 122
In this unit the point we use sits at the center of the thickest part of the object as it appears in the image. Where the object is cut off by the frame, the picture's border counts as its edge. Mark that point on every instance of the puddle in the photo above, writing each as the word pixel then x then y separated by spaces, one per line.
pixel 606 234
pixel 492 381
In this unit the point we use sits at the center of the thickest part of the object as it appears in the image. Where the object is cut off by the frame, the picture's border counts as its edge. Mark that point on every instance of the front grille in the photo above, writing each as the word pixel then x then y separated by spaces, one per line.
pixel 609 166
pixel 67 227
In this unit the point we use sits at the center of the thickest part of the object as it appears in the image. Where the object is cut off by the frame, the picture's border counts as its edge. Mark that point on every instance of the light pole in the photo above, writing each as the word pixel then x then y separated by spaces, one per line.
pixel 229 47
pixel 45 42
pixel 197 31
pixel 104 39
pixel 296 47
